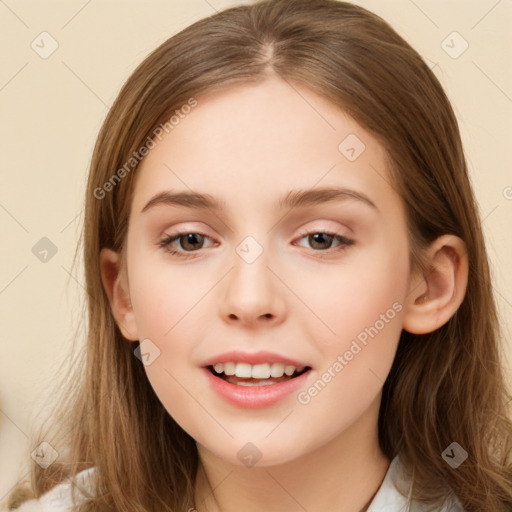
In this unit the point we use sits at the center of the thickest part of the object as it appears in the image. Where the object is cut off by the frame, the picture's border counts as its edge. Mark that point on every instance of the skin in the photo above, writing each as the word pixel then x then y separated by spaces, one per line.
pixel 248 146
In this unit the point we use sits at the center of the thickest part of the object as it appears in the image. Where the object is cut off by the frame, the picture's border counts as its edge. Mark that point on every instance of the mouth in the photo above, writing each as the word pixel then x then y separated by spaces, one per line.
pixel 265 374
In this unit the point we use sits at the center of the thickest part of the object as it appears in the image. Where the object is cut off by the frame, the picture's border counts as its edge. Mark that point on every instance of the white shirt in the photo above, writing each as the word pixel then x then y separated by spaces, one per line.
pixel 387 498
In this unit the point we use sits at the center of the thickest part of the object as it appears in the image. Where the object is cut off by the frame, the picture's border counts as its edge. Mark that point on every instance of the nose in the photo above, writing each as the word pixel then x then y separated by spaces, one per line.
pixel 253 294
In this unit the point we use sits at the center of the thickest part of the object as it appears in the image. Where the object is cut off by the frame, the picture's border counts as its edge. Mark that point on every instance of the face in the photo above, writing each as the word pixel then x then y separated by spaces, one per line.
pixel 260 282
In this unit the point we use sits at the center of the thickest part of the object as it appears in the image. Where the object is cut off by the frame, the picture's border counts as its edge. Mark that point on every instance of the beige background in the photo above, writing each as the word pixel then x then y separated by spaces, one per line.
pixel 52 109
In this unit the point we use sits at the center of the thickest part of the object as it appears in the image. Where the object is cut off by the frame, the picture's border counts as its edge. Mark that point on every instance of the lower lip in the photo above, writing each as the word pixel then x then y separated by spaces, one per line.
pixel 255 397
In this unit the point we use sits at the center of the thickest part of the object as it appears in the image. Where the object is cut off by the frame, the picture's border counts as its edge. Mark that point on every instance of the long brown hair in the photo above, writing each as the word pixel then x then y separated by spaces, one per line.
pixel 446 386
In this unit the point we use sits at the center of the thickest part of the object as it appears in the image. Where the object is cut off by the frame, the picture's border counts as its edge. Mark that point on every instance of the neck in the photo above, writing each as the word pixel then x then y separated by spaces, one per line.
pixel 347 471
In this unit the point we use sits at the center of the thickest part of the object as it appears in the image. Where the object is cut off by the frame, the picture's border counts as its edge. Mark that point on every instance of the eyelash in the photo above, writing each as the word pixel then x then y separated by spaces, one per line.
pixel 168 240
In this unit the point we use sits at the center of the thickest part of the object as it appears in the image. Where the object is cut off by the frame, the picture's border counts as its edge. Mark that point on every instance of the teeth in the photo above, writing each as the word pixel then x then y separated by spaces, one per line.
pixel 261 371
pixel 257 371
pixel 229 368
pixel 243 370
pixel 289 370
pixel 260 383
pixel 277 370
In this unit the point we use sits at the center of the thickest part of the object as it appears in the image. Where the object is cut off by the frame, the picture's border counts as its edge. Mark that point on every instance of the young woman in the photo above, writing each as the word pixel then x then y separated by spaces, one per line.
pixel 290 305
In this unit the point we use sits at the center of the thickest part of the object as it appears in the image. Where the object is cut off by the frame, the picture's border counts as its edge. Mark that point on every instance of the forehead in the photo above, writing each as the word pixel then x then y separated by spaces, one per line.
pixel 252 144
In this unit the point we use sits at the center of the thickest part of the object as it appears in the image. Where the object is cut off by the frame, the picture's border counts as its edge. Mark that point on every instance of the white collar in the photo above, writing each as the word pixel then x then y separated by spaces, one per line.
pixel 389 499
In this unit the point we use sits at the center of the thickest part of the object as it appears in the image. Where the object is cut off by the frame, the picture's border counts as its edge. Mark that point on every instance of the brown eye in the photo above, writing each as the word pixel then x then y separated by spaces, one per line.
pixel 188 242
pixel 322 241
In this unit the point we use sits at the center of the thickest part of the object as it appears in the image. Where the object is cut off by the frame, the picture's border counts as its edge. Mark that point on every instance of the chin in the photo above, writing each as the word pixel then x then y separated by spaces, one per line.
pixel 260 452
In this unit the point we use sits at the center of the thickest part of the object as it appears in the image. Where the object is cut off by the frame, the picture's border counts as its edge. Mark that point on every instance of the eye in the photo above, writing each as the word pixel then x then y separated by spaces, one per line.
pixel 321 241
pixel 189 241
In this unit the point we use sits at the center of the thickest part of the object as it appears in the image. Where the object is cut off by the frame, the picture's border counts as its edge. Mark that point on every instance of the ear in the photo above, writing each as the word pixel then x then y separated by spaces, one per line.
pixel 435 297
pixel 115 283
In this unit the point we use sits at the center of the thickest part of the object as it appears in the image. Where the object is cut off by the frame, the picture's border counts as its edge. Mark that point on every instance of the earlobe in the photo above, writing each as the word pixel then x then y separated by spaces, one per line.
pixel 436 296
pixel 116 288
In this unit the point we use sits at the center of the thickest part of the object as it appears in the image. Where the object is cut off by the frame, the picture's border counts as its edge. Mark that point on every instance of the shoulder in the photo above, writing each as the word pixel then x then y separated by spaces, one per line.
pixel 390 499
pixel 59 499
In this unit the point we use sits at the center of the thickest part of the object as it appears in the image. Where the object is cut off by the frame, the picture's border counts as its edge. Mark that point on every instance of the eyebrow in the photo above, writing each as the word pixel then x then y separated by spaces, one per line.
pixel 293 199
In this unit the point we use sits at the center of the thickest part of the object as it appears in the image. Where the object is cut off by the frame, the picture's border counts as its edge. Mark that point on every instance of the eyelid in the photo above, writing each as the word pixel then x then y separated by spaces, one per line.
pixel 324 229
pixel 345 242
pixel 303 231
pixel 172 237
pixel 332 252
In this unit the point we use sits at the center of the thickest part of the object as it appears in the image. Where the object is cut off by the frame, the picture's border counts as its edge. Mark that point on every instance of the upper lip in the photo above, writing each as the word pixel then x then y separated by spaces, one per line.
pixel 237 356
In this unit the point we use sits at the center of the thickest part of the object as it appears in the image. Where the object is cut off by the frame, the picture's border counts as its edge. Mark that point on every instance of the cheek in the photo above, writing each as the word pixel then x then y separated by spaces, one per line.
pixel 354 295
pixel 170 380
pixel 164 304
pixel 363 311
pixel 163 296
pixel 355 360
